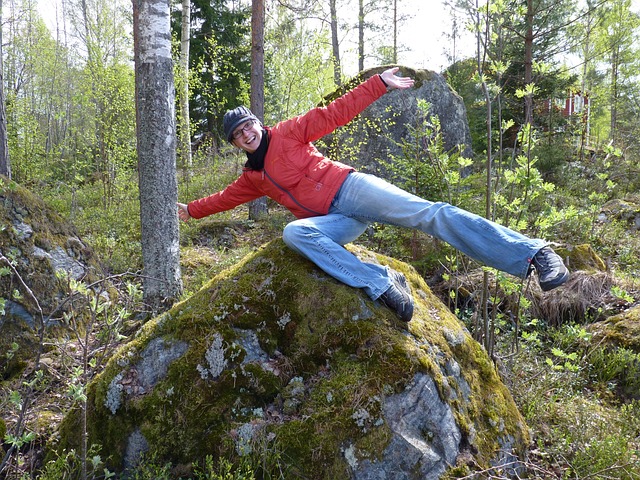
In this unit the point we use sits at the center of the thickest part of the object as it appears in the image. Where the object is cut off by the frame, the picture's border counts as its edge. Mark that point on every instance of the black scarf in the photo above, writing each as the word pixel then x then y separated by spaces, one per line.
pixel 255 160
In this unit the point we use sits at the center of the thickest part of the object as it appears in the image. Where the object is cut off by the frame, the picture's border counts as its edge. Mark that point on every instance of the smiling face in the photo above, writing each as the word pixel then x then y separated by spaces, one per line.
pixel 248 136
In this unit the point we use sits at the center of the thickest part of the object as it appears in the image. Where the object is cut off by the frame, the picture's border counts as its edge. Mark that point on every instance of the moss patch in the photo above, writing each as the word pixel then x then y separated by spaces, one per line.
pixel 277 349
pixel 622 330
pixel 581 257
pixel 40 245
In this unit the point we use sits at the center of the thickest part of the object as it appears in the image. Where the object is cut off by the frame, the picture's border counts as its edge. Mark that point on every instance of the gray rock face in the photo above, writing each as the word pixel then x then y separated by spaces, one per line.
pixel 425 439
pixel 40 246
pixel 273 355
pixel 376 134
pixel 61 261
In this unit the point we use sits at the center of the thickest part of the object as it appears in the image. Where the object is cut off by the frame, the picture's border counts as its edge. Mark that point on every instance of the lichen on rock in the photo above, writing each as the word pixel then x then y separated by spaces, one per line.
pixel 46 252
pixel 342 388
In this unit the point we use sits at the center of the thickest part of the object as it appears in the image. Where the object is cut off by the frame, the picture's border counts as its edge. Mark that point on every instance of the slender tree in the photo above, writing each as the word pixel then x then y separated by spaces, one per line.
pixel 219 60
pixel 258 207
pixel 185 119
pixel 361 27
pixel 617 37
pixel 300 65
pixel 377 20
pixel 394 24
pixel 106 50
pixel 155 107
pixel 5 164
pixel 335 43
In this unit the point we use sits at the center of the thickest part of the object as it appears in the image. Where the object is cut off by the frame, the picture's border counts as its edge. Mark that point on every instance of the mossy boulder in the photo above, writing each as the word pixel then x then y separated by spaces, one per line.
pixel 41 252
pixel 272 355
pixel 581 257
pixel 619 337
pixel 624 209
pixel 621 330
pixel 377 134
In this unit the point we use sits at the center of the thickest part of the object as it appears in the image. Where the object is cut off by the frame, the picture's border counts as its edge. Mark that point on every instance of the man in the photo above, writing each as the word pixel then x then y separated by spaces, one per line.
pixel 334 204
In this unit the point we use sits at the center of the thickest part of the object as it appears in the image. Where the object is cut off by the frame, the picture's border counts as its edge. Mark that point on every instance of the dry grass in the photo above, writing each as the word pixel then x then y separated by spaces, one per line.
pixel 586 297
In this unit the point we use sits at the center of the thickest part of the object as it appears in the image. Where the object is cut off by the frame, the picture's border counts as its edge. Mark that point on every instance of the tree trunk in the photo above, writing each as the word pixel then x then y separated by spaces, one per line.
pixel 360 35
pixel 615 65
pixel 5 164
pixel 185 121
pixel 395 31
pixel 156 134
pixel 528 63
pixel 335 44
pixel 258 207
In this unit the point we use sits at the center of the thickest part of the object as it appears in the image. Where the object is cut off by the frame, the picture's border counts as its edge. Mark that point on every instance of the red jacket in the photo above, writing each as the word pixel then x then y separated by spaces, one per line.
pixel 295 173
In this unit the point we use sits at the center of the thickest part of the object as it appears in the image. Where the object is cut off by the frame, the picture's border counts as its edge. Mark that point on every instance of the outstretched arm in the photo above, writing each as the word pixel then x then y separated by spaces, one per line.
pixel 390 78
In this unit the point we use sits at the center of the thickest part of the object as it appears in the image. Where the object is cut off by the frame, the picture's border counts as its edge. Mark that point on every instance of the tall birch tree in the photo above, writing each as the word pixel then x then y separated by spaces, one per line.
pixel 5 165
pixel 185 119
pixel 156 135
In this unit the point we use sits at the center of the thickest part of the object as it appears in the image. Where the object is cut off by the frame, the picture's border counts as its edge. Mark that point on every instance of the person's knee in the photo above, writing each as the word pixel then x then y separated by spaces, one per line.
pixel 292 233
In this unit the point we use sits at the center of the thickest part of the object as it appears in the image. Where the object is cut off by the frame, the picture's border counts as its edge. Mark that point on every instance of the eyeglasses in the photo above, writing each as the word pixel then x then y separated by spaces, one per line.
pixel 245 128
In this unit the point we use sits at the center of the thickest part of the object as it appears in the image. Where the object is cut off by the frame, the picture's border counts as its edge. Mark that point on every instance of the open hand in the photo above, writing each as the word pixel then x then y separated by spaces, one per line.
pixel 393 81
pixel 183 212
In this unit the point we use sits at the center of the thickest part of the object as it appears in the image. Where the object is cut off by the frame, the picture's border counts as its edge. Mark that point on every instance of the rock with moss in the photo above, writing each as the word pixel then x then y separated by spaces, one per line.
pixel 621 330
pixel 624 209
pixel 274 360
pixel 616 352
pixel 42 255
pixel 376 136
pixel 581 257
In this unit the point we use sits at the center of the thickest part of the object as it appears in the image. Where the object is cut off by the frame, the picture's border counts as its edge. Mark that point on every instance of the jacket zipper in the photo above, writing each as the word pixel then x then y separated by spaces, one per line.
pixel 264 172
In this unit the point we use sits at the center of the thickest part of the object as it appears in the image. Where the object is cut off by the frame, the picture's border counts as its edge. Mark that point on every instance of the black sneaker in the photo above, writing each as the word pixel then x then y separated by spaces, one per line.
pixel 551 270
pixel 398 300
pixel 400 280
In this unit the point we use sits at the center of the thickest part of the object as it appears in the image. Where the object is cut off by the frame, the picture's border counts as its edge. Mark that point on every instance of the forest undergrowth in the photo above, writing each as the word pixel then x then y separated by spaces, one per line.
pixel 574 394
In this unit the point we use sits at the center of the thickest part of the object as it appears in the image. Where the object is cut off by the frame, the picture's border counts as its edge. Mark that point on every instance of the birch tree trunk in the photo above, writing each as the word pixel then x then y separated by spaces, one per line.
pixel 156 134
pixel 185 120
pixel 5 164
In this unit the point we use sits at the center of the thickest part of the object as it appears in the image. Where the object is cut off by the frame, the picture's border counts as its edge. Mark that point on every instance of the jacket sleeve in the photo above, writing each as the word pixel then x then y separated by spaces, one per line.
pixel 242 190
pixel 321 121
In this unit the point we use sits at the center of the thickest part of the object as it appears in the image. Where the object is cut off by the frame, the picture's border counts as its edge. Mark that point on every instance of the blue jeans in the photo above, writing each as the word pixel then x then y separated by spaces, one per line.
pixel 364 199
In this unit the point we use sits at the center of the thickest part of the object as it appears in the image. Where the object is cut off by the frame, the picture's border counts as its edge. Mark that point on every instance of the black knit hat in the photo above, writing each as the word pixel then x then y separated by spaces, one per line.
pixel 234 118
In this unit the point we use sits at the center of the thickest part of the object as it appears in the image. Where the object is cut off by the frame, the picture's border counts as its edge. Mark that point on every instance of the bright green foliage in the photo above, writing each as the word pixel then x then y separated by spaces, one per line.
pixel 425 168
pixel 70 119
pixel 581 427
pixel 522 187
pixel 67 466
pixel 299 69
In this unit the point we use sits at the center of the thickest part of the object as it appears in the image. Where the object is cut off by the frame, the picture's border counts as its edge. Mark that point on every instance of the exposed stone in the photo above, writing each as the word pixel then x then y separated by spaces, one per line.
pixel 288 362
pixel 137 445
pixel 581 257
pixel 376 135
pixel 61 261
pixel 624 209
pixel 620 336
pixel 40 246
pixel 621 330
pixel 426 438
